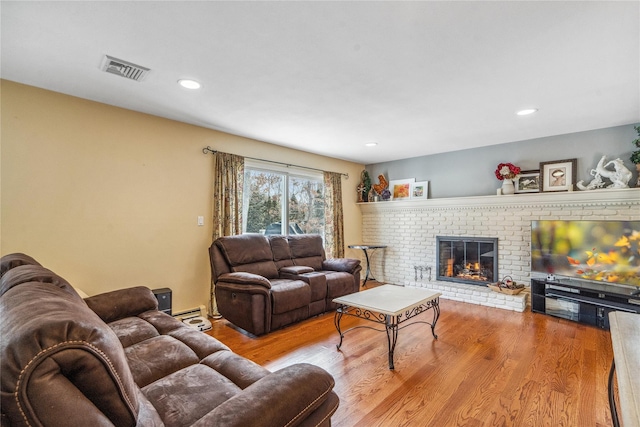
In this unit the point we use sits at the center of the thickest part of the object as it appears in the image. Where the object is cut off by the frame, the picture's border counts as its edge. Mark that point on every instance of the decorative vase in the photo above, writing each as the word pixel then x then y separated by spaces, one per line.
pixel 507 186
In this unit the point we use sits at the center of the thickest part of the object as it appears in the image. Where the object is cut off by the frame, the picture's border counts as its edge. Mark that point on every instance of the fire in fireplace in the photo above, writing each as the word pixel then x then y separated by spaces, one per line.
pixel 472 260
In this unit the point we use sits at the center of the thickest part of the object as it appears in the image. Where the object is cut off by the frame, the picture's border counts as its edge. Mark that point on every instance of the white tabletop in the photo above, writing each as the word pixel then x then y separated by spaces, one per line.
pixel 388 299
pixel 364 247
pixel 625 337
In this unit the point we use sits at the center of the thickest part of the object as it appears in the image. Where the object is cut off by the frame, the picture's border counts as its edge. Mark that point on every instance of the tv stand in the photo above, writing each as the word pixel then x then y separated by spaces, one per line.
pixel 582 301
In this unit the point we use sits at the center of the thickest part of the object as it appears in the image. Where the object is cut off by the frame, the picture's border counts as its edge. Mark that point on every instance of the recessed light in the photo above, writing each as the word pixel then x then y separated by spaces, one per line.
pixel 189 84
pixel 527 111
pixel 371 144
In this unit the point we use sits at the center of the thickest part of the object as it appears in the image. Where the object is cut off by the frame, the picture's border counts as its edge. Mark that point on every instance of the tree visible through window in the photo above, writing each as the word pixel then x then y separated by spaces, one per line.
pixel 279 202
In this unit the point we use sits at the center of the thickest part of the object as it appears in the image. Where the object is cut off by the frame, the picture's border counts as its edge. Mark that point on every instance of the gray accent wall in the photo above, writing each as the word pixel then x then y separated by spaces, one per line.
pixel 471 172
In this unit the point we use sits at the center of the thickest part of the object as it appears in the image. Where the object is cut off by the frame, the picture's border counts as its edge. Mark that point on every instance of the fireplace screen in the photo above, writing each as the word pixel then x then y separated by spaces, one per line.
pixel 471 260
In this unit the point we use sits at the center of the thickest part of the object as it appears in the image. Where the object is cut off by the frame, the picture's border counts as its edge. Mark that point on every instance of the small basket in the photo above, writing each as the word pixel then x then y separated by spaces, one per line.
pixel 512 288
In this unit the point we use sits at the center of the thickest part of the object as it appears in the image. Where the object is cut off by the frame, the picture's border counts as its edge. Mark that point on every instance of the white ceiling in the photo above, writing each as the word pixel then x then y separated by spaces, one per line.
pixel 327 77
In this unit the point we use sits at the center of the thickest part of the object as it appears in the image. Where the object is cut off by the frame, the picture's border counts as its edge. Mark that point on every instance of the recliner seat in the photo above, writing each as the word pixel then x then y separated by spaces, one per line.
pixel 263 283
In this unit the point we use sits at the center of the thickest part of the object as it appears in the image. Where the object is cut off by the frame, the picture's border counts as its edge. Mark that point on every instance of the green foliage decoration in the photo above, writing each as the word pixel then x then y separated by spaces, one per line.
pixel 635 156
pixel 366 181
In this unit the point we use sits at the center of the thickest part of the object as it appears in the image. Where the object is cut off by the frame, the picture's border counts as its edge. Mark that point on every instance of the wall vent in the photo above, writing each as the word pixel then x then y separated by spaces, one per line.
pixel 123 68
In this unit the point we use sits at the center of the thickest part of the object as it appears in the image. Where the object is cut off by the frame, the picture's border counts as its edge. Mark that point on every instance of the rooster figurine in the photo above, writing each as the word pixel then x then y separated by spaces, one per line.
pixel 379 188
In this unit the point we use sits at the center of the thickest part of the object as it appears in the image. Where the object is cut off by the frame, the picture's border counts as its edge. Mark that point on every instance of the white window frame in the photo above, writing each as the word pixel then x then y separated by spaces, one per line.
pixel 287 171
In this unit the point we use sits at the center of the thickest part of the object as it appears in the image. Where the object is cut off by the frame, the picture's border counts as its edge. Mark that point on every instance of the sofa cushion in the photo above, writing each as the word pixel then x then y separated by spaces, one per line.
pixel 314 262
pixel 147 415
pixel 243 372
pixel 288 295
pixel 306 245
pixel 15 260
pixel 132 330
pixel 304 387
pixel 163 323
pixel 158 357
pixel 339 284
pixel 281 251
pixel 183 397
pixel 266 269
pixel 307 250
pixel 27 273
pixel 249 253
pixel 200 343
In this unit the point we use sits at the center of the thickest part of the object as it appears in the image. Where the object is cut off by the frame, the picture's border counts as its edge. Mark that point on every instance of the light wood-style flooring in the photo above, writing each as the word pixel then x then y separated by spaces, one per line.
pixel 488 367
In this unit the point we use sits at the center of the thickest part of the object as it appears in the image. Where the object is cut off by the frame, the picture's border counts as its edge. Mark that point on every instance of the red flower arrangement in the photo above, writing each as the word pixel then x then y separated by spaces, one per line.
pixel 506 171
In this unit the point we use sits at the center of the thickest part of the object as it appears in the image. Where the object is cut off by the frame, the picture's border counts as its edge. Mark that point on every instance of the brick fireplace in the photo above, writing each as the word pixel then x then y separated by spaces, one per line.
pixel 410 228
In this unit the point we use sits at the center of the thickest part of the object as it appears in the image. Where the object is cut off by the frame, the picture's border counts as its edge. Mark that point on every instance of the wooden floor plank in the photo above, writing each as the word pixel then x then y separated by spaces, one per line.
pixel 488 367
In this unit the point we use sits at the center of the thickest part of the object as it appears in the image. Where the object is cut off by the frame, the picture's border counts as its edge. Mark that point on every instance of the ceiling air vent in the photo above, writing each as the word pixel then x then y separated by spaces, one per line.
pixel 124 68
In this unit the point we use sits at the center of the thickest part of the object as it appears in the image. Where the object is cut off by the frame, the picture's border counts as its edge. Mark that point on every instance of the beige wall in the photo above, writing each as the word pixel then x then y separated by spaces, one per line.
pixel 109 198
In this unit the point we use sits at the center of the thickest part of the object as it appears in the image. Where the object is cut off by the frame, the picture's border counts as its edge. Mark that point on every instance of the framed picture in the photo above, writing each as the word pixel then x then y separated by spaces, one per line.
pixel 528 182
pixel 559 175
pixel 420 190
pixel 401 189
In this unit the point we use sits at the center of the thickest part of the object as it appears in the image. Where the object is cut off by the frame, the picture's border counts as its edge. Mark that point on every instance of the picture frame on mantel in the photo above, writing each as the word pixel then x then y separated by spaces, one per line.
pixel 420 190
pixel 401 188
pixel 558 175
pixel 528 182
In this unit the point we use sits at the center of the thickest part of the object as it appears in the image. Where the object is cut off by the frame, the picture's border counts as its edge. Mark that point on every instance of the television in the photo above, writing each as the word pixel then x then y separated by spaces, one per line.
pixel 600 251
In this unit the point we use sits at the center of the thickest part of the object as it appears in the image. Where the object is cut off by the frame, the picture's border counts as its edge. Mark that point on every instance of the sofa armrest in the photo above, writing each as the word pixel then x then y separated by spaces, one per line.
pixel 61 365
pixel 285 397
pixel 115 305
pixel 348 265
pixel 240 278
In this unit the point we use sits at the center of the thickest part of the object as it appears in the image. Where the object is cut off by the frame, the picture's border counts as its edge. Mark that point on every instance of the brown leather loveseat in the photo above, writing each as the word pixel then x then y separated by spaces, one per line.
pixel 115 360
pixel 263 283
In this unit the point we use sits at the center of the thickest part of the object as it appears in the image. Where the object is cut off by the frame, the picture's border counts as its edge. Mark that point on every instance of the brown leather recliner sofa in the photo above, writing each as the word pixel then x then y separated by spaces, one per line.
pixel 114 360
pixel 263 283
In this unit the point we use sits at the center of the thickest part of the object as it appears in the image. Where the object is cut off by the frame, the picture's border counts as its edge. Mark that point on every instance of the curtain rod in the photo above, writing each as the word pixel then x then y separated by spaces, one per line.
pixel 208 149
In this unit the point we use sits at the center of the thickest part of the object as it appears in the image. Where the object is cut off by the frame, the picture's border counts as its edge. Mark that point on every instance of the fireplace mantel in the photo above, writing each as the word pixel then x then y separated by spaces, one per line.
pixel 598 197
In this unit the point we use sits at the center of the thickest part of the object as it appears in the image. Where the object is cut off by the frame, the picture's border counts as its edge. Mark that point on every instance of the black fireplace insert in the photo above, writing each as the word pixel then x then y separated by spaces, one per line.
pixel 472 260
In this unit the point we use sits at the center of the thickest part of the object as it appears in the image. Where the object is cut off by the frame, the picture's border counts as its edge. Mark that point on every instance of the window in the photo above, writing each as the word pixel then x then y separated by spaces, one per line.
pixel 280 200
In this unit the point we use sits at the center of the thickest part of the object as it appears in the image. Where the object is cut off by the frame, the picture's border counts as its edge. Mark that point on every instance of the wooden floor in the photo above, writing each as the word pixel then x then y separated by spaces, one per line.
pixel 488 367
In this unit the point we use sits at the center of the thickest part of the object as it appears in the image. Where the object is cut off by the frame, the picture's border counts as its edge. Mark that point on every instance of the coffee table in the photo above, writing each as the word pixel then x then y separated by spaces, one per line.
pixel 389 305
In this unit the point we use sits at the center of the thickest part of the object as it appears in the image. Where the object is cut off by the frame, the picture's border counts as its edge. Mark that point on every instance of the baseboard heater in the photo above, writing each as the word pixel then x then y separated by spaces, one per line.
pixel 195 318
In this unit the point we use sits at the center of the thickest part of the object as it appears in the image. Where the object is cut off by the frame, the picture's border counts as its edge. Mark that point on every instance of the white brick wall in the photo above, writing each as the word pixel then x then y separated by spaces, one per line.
pixel 409 229
pixel 475 294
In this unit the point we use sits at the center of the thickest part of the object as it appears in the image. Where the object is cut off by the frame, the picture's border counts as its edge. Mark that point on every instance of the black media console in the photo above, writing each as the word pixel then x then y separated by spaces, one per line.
pixel 582 301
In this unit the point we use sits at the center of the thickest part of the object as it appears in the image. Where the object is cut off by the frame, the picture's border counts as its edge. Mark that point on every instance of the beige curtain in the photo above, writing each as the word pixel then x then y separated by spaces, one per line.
pixel 333 220
pixel 228 180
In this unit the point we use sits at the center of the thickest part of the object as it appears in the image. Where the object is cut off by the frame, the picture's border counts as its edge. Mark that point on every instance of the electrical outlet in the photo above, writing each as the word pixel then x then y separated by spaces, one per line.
pixel 200 221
